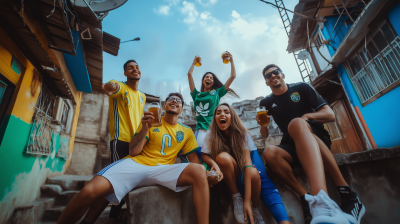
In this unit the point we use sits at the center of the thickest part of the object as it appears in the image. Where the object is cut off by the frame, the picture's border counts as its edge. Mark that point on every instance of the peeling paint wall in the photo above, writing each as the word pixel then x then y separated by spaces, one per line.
pixel 22 175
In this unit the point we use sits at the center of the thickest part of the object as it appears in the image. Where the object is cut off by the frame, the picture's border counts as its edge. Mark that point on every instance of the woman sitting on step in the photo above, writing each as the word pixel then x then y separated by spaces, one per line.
pixel 229 150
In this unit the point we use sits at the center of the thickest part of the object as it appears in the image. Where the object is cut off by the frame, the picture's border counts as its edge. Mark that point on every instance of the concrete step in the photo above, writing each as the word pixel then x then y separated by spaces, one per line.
pixel 50 190
pixel 32 212
pixel 69 182
pixel 52 214
pixel 65 197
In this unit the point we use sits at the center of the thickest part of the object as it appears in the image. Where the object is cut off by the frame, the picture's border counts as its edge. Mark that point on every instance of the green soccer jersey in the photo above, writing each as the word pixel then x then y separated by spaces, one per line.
pixel 205 104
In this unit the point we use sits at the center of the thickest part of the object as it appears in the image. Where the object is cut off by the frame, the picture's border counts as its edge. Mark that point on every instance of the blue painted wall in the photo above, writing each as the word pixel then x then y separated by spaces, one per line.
pixel 338 34
pixel 394 17
pixel 381 116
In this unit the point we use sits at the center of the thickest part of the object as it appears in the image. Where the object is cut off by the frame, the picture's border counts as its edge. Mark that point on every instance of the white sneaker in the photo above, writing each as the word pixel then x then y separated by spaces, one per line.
pixel 258 219
pixel 325 210
pixel 238 209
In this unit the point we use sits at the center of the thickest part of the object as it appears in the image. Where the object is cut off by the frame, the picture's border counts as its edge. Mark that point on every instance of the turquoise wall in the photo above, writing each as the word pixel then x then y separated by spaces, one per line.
pixel 14 136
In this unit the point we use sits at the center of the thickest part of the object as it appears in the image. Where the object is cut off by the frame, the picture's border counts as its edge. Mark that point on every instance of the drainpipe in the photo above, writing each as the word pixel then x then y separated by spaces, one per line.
pixel 368 132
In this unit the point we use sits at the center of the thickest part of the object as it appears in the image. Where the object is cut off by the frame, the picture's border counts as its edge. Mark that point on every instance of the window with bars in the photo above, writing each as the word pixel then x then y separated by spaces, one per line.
pixel 41 139
pixel 376 64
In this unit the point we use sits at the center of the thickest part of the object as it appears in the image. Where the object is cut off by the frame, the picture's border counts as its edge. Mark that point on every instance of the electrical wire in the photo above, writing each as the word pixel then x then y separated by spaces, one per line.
pixel 308 17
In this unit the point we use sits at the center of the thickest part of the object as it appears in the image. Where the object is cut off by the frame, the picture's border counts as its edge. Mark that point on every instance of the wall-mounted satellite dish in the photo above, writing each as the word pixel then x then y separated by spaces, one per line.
pixel 303 55
pixel 99 6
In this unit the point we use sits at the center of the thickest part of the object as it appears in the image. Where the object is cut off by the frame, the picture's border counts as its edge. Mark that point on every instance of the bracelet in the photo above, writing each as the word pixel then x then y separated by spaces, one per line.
pixel 246 167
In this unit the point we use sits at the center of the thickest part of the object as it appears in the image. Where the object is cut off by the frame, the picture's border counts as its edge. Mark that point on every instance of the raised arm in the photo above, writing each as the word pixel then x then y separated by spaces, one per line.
pixel 110 88
pixel 233 72
pixel 323 115
pixel 138 141
pixel 190 76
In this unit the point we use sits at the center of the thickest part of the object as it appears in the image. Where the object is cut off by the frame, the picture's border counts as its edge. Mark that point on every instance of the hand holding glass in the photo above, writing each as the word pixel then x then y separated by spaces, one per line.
pixel 262 115
pixel 156 110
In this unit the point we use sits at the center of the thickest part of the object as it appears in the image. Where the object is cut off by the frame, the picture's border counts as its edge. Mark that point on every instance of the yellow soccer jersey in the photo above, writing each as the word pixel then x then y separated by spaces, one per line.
pixel 163 144
pixel 125 111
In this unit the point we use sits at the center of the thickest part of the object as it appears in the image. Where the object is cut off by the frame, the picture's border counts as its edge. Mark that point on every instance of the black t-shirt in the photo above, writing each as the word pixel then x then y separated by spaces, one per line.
pixel 299 99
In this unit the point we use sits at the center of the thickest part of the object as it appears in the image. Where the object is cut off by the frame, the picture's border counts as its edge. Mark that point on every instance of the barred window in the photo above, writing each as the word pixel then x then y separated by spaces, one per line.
pixel 376 64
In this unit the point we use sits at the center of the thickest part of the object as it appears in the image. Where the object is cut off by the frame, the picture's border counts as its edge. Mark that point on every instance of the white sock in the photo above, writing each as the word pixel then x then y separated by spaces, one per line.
pixel 236 195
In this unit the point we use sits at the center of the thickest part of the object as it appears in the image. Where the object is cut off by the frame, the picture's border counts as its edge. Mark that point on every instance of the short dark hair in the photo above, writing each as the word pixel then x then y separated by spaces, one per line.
pixel 129 61
pixel 270 66
pixel 175 94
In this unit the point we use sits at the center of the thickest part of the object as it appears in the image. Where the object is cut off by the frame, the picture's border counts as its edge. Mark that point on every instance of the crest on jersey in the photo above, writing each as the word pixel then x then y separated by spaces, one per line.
pixel 295 97
pixel 213 92
pixel 180 135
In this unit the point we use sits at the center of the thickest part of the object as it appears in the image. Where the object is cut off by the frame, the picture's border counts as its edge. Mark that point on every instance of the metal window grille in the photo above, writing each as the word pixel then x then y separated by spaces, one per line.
pixel 41 139
pixel 377 65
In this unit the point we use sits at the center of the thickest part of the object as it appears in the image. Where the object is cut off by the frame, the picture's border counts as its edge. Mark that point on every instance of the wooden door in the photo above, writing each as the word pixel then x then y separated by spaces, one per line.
pixel 343 134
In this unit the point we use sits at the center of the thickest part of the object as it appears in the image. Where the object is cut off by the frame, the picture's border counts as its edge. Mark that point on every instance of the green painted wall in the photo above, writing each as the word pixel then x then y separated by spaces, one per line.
pixel 14 134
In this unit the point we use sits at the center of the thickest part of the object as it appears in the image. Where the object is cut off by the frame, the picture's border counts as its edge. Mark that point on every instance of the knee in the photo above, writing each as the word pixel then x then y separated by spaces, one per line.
pixel 223 159
pixel 255 176
pixel 271 154
pixel 199 173
pixel 296 124
pixel 87 193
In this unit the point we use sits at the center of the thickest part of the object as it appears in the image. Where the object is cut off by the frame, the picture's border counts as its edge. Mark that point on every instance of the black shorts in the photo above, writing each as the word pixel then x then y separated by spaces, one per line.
pixel 317 128
pixel 119 150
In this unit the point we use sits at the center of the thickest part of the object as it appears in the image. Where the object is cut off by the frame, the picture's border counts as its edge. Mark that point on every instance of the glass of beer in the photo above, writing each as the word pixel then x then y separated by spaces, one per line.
pixel 262 114
pixel 156 110
pixel 198 61
pixel 225 57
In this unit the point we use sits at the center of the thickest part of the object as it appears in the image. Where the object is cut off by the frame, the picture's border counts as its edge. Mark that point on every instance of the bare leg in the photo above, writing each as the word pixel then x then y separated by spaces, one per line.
pixel 309 154
pixel 195 175
pixel 330 164
pixel 96 209
pixel 230 169
pixel 279 161
pixel 97 188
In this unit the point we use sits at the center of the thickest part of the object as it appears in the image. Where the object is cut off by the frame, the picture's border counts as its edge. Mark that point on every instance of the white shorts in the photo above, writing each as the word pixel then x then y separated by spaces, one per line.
pixel 126 174
pixel 200 134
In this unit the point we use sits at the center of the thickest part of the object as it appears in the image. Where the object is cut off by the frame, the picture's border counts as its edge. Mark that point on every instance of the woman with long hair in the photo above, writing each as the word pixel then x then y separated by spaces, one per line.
pixel 205 101
pixel 229 150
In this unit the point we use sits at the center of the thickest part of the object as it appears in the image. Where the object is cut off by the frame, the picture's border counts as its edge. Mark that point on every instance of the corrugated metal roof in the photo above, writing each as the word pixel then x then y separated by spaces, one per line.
pixel 110 44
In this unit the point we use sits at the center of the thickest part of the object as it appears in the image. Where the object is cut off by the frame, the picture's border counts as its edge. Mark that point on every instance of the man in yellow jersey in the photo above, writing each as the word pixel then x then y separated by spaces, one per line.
pixel 126 105
pixel 152 152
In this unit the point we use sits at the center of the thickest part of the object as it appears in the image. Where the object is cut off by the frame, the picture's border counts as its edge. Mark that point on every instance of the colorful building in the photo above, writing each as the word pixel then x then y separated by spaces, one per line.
pixel 351 50
pixel 47 59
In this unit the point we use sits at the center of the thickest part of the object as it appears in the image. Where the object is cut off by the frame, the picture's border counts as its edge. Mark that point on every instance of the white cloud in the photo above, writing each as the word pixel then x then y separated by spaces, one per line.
pixel 190 11
pixel 163 10
pixel 248 28
pixel 207 3
pixel 205 15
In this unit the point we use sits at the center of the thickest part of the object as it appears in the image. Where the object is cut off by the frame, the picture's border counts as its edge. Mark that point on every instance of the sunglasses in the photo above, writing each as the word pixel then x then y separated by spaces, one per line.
pixel 269 75
pixel 172 99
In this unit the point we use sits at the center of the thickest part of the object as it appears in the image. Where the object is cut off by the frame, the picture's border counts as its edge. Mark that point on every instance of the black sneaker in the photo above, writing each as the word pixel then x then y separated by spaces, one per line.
pixel 350 203
pixel 306 210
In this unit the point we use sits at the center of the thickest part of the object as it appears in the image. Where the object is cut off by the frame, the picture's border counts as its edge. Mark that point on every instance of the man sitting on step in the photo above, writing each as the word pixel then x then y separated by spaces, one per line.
pixel 152 152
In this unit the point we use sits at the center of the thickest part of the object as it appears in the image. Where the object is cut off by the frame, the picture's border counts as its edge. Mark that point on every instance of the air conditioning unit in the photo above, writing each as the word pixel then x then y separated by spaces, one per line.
pixel 58 110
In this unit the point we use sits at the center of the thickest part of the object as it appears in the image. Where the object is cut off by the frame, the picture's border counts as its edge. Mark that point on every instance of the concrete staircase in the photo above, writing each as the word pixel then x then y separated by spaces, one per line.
pixel 56 193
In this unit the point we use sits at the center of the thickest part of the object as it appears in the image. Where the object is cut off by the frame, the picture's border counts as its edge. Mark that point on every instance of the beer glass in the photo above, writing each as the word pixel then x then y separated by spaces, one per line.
pixel 198 61
pixel 156 110
pixel 262 114
pixel 225 57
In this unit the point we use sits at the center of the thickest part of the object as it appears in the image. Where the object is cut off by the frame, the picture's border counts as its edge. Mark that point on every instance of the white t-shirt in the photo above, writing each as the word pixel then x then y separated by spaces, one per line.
pixel 207 149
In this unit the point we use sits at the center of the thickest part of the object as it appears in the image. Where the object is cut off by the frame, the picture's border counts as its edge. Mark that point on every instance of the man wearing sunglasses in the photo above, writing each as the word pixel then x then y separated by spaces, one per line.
pixel 152 153
pixel 300 112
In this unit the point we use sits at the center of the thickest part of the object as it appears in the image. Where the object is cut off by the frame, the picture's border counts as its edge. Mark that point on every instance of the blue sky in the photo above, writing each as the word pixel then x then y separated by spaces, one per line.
pixel 172 32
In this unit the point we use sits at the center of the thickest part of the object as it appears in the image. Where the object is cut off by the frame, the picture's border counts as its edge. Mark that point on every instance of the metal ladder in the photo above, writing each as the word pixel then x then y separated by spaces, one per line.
pixel 304 68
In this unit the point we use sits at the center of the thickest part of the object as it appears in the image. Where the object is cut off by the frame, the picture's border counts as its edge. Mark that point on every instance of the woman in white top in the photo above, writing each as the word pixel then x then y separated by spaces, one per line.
pixel 229 150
